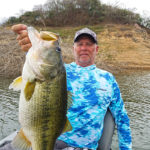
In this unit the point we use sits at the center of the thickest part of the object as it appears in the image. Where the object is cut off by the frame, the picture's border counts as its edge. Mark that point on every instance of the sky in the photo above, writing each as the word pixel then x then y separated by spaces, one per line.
pixel 14 7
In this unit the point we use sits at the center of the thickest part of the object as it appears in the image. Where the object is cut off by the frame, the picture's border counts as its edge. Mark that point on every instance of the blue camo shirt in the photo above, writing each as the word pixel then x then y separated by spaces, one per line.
pixel 94 90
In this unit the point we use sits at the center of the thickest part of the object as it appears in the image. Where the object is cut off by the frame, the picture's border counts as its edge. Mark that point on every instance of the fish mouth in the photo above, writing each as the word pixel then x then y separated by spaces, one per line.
pixel 48 36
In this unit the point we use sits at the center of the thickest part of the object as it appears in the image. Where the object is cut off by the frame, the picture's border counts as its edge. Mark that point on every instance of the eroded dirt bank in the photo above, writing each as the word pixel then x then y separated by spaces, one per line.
pixel 122 48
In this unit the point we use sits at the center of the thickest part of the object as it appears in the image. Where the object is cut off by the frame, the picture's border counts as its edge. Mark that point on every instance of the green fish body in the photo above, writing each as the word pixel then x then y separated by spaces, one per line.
pixel 43 100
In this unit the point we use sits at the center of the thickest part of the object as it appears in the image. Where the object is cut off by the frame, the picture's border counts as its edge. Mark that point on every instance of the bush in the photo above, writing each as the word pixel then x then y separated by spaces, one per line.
pixel 12 20
pixel 75 13
pixel 118 15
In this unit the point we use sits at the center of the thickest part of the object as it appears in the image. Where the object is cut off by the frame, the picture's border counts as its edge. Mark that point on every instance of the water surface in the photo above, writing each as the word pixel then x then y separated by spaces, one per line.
pixel 8 109
pixel 135 89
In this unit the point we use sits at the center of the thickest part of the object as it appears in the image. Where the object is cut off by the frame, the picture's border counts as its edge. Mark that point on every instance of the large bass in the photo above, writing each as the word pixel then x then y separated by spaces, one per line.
pixel 43 99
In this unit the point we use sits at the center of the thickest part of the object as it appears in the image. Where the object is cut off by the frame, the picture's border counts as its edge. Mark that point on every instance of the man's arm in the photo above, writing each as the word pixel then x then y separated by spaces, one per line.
pixel 22 37
pixel 121 118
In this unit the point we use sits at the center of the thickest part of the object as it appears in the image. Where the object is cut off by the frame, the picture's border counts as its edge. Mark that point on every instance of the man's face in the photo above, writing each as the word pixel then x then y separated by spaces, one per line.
pixel 85 51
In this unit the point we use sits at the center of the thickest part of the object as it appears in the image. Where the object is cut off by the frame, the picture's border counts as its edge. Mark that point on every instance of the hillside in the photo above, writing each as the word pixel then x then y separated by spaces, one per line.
pixel 122 48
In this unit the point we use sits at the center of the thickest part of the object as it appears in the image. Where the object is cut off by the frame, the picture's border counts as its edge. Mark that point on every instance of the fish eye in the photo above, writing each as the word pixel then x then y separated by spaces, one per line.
pixel 58 49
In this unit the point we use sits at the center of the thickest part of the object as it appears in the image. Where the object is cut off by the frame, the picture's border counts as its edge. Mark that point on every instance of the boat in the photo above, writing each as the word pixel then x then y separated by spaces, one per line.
pixel 8 139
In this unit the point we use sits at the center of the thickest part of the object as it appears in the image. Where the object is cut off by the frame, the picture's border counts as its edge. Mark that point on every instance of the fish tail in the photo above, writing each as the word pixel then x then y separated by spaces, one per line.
pixel 20 142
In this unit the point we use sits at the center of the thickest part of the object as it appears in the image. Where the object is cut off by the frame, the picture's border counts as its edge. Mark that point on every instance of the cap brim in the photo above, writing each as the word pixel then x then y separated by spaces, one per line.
pixel 85 34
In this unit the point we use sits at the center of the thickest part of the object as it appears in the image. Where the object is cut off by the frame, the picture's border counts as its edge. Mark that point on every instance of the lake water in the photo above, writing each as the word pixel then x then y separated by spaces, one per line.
pixel 135 89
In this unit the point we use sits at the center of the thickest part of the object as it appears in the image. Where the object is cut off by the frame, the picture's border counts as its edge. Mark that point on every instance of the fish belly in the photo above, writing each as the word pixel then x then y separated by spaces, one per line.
pixel 43 117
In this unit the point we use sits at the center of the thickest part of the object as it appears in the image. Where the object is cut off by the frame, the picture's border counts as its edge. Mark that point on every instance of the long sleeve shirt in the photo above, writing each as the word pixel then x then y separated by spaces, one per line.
pixel 94 91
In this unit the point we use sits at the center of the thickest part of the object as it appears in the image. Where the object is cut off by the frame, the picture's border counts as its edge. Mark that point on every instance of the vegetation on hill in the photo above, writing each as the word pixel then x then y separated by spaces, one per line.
pixel 77 13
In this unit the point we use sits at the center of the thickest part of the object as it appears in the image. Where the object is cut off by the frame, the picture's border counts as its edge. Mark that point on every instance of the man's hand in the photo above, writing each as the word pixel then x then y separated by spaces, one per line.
pixel 23 38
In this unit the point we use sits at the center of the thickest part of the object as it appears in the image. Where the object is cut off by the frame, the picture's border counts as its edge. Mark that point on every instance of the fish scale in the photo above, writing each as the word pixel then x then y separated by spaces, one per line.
pixel 44 98
pixel 48 109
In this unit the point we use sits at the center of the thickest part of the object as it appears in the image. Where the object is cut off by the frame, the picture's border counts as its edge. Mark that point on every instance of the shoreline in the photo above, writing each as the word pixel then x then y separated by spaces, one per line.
pixel 122 49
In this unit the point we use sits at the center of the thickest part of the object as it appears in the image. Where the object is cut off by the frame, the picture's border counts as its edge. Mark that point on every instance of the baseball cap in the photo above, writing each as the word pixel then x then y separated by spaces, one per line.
pixel 85 31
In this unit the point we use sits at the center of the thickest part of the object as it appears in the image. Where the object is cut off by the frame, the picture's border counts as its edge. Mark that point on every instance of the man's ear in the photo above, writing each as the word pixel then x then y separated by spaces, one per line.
pixel 97 48
pixel 73 47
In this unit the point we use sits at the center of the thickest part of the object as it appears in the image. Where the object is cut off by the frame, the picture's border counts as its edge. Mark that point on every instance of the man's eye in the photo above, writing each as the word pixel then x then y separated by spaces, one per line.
pixel 88 44
pixel 79 44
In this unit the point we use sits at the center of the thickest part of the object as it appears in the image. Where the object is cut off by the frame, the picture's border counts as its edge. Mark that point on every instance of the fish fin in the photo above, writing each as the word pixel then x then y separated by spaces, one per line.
pixel 69 99
pixel 67 127
pixel 28 90
pixel 16 84
pixel 20 142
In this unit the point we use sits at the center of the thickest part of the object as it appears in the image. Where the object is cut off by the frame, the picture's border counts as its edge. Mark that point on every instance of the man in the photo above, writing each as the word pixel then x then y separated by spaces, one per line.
pixel 94 91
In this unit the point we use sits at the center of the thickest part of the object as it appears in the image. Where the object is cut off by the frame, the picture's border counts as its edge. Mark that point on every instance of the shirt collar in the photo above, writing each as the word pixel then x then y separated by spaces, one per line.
pixel 91 67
